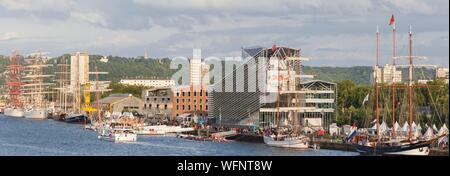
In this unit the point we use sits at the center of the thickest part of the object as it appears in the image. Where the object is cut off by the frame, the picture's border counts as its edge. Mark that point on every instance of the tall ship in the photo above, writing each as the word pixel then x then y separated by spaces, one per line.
pixel 385 141
pixel 284 81
pixel 34 88
pixel 14 107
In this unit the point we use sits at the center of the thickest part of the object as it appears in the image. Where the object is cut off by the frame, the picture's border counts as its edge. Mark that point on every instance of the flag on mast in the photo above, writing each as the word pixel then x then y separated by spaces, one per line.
pixel 392 21
pixel 365 99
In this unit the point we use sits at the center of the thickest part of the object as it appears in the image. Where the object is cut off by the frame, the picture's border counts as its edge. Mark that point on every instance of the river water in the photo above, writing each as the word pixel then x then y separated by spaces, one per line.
pixel 28 137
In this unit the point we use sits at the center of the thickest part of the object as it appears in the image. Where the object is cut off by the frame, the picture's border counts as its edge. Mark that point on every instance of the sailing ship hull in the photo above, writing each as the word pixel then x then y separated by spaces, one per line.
pixel 420 148
pixel 14 112
pixel 76 118
pixel 296 143
pixel 36 114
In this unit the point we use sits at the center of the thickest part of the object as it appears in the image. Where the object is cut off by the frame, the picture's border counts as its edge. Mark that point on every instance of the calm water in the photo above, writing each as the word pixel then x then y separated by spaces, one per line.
pixel 19 136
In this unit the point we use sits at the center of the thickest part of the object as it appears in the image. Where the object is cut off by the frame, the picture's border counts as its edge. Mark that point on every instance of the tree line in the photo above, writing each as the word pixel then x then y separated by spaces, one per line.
pixel 430 103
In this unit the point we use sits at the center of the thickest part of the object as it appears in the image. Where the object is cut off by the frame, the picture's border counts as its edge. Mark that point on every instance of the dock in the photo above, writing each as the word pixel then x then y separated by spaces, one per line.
pixel 247 138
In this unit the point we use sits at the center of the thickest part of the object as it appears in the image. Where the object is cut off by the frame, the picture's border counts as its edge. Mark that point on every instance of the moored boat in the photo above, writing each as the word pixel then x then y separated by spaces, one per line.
pixel 14 112
pixel 384 143
pixel 36 114
pixel 284 141
pixel 117 134
pixel 76 118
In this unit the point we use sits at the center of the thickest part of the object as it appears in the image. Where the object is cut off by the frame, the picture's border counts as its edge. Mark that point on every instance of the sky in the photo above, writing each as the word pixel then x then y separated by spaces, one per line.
pixel 330 33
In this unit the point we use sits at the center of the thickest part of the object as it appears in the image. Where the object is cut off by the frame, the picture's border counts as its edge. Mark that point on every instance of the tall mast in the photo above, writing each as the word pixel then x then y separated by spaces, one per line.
pixel 376 82
pixel 410 84
pixel 97 95
pixel 14 80
pixel 394 53
pixel 297 101
pixel 288 81
pixel 279 87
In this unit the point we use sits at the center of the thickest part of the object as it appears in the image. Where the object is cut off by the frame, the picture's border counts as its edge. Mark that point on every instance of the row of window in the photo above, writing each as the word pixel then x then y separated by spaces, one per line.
pixel 189 107
pixel 189 100
pixel 157 106
pixel 189 93
pixel 162 99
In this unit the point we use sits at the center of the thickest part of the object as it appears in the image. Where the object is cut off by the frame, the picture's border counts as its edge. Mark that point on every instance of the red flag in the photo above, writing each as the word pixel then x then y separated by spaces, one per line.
pixel 392 21
pixel 274 48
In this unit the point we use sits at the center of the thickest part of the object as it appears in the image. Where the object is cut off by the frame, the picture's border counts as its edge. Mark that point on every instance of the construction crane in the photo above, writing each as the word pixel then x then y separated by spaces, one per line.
pixel 87 95
pixel 87 99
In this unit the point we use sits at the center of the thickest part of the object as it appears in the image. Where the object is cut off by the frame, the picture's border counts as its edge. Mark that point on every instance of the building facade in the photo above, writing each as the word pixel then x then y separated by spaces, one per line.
pixel 270 89
pixel 378 74
pixel 442 73
pixel 79 69
pixel 120 103
pixel 158 102
pixel 198 72
pixel 391 74
pixel 156 83
pixel 190 99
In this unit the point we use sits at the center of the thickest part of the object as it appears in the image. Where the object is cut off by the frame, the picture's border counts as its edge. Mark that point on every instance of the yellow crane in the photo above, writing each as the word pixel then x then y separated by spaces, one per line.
pixel 87 99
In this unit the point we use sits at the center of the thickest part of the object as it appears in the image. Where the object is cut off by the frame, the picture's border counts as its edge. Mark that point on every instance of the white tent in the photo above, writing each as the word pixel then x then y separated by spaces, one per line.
pixel 417 133
pixel 405 127
pixel 435 128
pixel 383 127
pixel 419 128
pixel 374 127
pixel 443 130
pixel 397 127
pixel 429 134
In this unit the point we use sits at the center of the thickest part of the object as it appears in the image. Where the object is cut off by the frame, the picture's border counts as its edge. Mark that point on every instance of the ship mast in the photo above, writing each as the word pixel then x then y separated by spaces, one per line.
pixel 394 31
pixel 297 82
pixel 97 96
pixel 287 84
pixel 410 84
pixel 274 49
pixel 376 82
pixel 14 81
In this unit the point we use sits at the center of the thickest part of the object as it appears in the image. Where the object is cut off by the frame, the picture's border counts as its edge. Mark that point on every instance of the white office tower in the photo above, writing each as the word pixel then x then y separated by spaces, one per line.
pixel 79 69
pixel 198 70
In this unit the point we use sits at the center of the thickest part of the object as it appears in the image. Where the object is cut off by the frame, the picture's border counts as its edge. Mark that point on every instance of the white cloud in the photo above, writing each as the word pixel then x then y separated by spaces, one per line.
pixel 8 36
pixel 420 6
pixel 325 30
pixel 262 5
pixel 33 5
pixel 123 38
pixel 308 6
pixel 224 23
pixel 90 17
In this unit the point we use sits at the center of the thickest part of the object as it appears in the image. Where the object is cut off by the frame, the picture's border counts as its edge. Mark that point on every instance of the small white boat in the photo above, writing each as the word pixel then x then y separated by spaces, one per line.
pixel 161 130
pixel 14 112
pixel 117 134
pixel 36 113
pixel 297 142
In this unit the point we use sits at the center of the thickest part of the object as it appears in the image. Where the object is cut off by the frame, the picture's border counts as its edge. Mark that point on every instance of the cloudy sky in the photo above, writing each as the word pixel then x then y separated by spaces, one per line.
pixel 331 33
